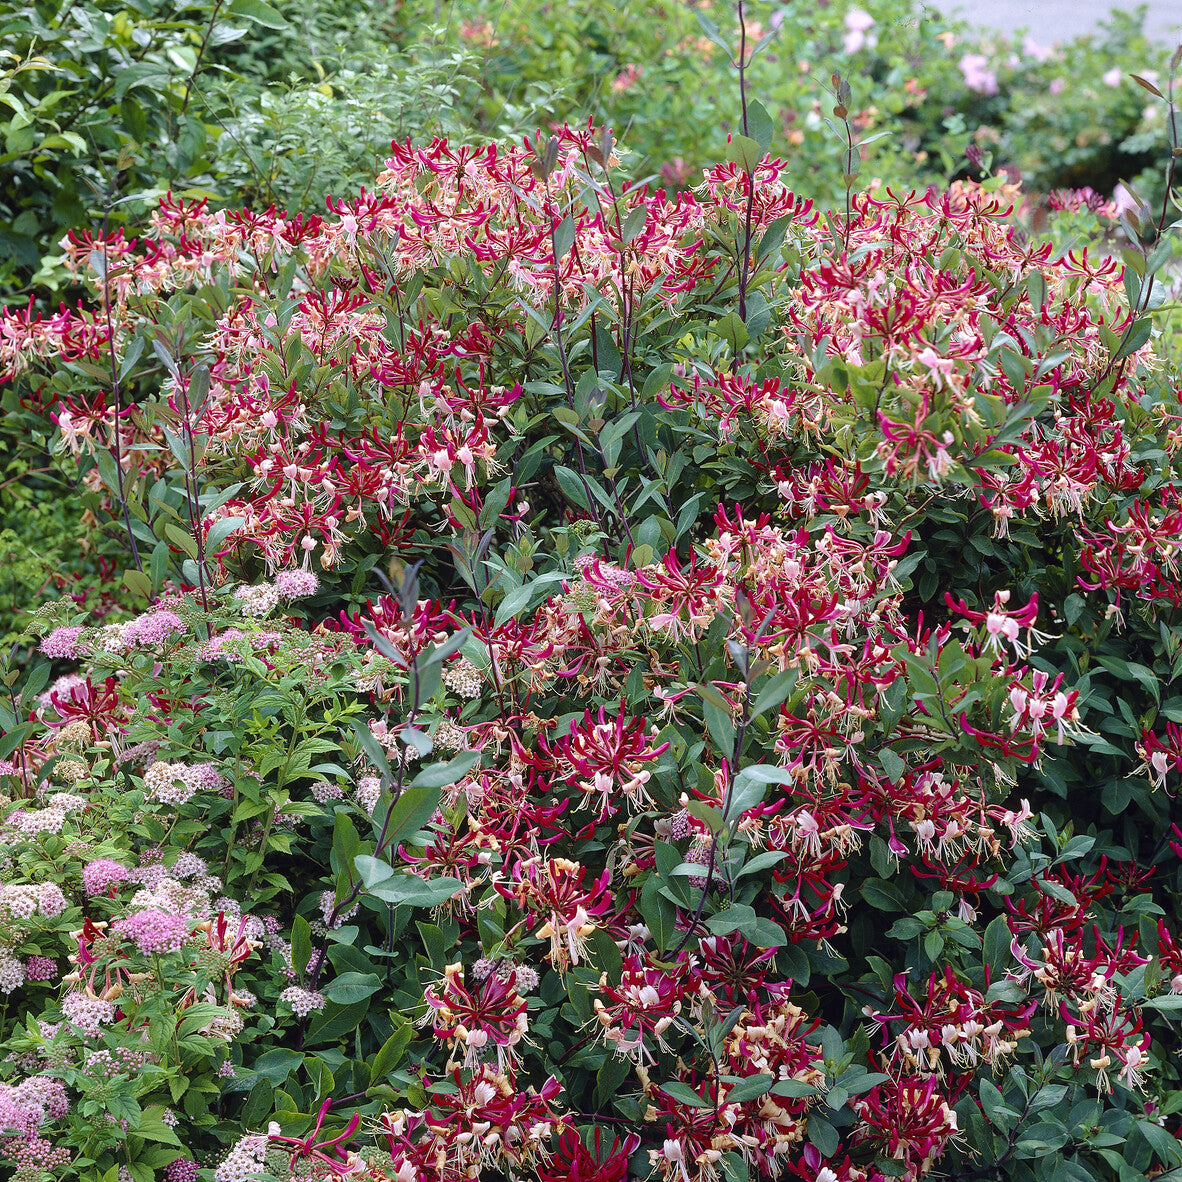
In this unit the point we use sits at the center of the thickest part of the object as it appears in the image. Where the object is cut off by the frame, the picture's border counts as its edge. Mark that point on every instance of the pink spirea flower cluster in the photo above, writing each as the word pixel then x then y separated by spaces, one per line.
pixel 977 74
pixel 62 643
pixel 184 1169
pixel 154 931
pixel 87 1013
pixel 296 584
pixel 23 900
pixel 100 875
pixel 176 783
pixel 303 1001
pixel 34 1157
pixel 26 1106
pixel 245 1160
pixel 41 968
pixel 153 628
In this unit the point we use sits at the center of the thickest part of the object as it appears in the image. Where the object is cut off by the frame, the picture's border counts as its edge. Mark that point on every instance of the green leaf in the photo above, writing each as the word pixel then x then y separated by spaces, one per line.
pixel 760 125
pixel 220 531
pixel 633 224
pixel 995 1108
pixel 763 933
pixel 731 920
pixel 407 815
pixel 260 13
pixel 761 862
pixel 1137 336
pixel 882 895
pixel 823 1135
pixel 518 601
pixel 301 943
pixel 659 915
pixel 572 486
pixel 751 1088
pixel 1170 1003
pixel 684 1094
pixel 411 891
pixel 440 775
pixel 892 764
pixel 349 988
pixel 996 947
pixel 152 1128
pixel 277 1064
pixel 744 152
pixel 732 330
pixel 721 727
pixel 774 691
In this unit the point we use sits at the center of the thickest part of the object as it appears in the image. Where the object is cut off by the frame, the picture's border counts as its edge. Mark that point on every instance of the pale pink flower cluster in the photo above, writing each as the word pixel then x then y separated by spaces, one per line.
pixel 155 931
pixel 62 643
pixel 857 31
pixel 164 893
pixel 12 971
pixel 23 900
pixel 246 1159
pixel 189 865
pixel 153 628
pixel 177 783
pixel 100 875
pixel 977 74
pixel 368 790
pixel 106 1063
pixel 41 968
pixel 26 1106
pixel 237 640
pixel 35 1157
pixel 184 1169
pixel 50 819
pixel 328 906
pixel 63 687
pixel 296 584
pixel 88 1013
pixel 303 1001
pixel 257 601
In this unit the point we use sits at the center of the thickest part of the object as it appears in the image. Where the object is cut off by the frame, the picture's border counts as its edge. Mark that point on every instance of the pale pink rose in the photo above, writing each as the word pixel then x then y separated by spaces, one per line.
pixel 857 34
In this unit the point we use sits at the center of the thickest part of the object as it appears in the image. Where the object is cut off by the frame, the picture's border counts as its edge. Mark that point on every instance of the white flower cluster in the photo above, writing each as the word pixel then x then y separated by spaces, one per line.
pixel 12 970
pixel 303 1001
pixel 87 1013
pixel 367 792
pixel 51 818
pixel 257 601
pixel 23 900
pixel 165 782
pixel 463 678
pixel 244 1160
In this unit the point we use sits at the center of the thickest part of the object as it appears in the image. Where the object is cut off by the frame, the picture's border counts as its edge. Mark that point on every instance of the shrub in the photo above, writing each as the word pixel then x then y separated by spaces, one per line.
pixel 760 765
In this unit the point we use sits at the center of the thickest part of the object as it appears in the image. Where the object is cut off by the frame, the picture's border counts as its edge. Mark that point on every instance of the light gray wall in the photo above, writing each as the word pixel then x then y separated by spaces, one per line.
pixel 1050 20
